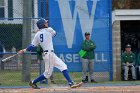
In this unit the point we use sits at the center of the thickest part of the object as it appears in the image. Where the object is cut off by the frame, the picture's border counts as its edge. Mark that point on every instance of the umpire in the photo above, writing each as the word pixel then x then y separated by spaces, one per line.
pixel 128 62
pixel 87 60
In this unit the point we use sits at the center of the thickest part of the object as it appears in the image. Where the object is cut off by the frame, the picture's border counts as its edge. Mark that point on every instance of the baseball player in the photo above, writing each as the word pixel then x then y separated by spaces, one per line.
pixel 128 62
pixel 44 38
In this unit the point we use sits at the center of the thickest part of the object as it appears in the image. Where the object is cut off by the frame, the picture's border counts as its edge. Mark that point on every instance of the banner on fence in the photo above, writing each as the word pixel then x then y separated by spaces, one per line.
pixel 71 19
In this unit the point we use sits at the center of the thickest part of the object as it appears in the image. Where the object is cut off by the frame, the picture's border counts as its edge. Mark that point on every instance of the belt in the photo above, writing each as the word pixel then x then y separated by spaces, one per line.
pixel 48 51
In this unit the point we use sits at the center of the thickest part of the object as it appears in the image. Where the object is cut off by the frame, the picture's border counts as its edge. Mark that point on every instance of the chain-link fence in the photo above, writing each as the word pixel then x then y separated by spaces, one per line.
pixel 11 71
pixel 17 17
pixel 17 27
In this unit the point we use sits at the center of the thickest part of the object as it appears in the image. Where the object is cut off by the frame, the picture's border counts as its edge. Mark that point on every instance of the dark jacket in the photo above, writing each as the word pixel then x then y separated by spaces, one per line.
pixel 89 46
pixel 1 50
pixel 39 52
pixel 128 57
pixel 138 60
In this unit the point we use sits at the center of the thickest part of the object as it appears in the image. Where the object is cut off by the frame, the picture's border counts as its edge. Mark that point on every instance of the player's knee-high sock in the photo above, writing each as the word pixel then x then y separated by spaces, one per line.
pixel 66 75
pixel 40 78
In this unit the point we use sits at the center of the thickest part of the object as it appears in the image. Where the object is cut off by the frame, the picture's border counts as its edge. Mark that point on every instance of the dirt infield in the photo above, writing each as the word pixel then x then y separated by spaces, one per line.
pixel 95 89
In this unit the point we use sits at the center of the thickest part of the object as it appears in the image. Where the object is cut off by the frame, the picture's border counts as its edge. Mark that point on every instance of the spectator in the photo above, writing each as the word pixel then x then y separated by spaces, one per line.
pixel 40 59
pixel 128 62
pixel 87 60
pixel 1 55
pixel 13 50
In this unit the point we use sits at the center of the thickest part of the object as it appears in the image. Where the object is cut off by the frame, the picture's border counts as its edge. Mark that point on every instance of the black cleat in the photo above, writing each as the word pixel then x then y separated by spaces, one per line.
pixel 34 86
pixel 93 81
pixel 85 80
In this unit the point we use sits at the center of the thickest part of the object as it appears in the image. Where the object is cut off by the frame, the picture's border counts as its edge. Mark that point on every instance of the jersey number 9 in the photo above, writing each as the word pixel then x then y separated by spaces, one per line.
pixel 41 37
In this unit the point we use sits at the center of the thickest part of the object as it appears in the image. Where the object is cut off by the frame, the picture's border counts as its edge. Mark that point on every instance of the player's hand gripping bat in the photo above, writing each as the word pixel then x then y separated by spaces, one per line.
pixel 20 52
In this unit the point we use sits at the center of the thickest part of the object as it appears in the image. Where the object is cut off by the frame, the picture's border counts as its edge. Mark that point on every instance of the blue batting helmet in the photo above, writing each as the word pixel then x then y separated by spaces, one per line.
pixel 41 22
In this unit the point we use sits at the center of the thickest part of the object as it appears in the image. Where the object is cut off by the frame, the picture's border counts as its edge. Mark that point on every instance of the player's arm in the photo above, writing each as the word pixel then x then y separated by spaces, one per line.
pixel 52 31
pixel 29 48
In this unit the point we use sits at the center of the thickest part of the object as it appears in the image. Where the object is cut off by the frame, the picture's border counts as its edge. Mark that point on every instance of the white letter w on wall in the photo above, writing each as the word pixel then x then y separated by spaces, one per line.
pixel 69 20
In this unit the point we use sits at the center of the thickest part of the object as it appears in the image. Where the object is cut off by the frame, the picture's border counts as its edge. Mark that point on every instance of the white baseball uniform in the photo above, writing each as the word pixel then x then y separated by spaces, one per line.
pixel 44 38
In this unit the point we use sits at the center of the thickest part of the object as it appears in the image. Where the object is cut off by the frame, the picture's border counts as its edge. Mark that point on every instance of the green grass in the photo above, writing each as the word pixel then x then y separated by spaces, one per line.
pixel 13 78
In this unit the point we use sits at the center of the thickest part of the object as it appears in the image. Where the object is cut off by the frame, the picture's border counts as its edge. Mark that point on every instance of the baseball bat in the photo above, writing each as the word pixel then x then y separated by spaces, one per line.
pixel 7 58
